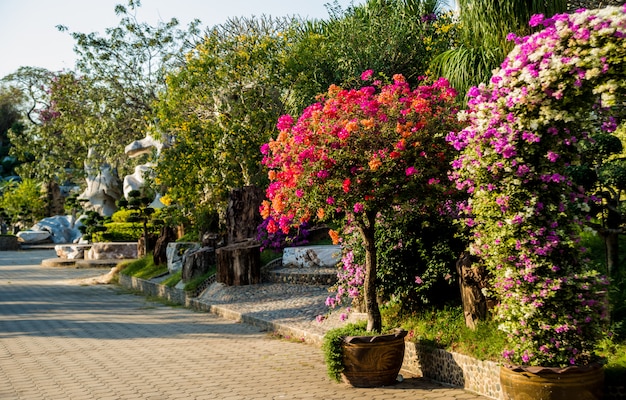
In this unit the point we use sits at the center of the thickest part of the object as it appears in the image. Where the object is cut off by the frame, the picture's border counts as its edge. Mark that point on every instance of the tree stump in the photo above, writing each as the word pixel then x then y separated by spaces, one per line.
pixel 198 263
pixel 242 213
pixel 472 280
pixel 167 235
pixel 239 264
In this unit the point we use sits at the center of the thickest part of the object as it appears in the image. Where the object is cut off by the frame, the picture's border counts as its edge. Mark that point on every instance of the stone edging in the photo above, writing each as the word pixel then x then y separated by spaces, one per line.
pixel 456 370
pixel 180 297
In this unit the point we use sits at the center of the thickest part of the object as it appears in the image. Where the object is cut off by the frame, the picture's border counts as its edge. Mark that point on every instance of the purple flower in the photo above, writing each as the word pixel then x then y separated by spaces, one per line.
pixel 536 20
pixel 552 156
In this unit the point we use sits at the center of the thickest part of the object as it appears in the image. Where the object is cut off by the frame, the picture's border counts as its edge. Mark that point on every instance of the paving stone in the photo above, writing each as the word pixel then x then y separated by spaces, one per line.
pixel 63 340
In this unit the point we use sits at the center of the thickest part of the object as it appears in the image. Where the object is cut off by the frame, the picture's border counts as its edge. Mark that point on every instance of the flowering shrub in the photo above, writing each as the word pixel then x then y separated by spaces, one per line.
pixel 357 153
pixel 277 239
pixel 553 90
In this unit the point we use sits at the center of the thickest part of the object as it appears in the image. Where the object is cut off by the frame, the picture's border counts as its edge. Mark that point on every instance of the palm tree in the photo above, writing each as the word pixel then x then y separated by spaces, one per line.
pixel 483 29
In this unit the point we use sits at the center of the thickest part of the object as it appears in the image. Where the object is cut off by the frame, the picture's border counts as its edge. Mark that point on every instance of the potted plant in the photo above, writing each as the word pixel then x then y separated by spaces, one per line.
pixel 357 357
pixel 525 212
pixel 358 154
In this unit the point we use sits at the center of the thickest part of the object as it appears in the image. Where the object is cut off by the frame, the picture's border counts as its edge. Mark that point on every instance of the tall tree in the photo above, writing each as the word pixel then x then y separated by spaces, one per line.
pixel 388 36
pixel 482 37
pixel 220 108
pixel 108 101
pixel 10 119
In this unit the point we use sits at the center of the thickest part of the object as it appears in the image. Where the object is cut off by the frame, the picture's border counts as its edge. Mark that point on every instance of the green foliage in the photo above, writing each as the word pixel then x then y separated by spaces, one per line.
pixel 93 226
pixel 22 201
pixel 219 114
pixel 332 347
pixel 416 259
pixel 122 215
pixel 408 34
pixel 144 268
pixel 615 354
pixel 125 232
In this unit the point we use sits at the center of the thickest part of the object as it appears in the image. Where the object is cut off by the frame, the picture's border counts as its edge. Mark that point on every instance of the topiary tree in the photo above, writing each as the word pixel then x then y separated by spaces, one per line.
pixel 553 92
pixel 359 153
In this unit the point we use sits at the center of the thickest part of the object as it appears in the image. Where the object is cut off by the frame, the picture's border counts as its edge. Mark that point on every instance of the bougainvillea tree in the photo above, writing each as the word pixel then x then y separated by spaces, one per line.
pixel 553 91
pixel 357 153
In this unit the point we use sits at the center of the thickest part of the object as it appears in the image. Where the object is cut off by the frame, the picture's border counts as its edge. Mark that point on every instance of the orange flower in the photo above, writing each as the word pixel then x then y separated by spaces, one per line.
pixel 320 213
pixel 277 204
pixel 352 126
pixel 375 163
pixel 368 123
pixel 334 235
pixel 271 175
pixel 265 209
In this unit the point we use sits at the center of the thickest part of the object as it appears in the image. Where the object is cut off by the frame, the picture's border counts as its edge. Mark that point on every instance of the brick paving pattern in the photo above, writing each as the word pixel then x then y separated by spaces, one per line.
pixel 62 340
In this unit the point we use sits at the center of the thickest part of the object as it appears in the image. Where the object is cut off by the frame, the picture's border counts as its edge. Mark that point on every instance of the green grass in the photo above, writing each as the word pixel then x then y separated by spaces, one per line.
pixel 269 255
pixel 192 285
pixel 445 329
pixel 173 279
pixel 144 268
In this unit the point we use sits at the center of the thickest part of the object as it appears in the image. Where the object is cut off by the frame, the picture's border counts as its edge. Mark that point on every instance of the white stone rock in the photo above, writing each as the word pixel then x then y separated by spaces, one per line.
pixel 112 251
pixel 71 251
pixel 103 185
pixel 33 236
pixel 175 253
pixel 62 228
pixel 137 180
pixel 321 256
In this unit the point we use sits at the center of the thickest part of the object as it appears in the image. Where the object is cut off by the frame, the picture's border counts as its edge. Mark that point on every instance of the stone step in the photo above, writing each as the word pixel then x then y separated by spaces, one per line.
pixel 302 276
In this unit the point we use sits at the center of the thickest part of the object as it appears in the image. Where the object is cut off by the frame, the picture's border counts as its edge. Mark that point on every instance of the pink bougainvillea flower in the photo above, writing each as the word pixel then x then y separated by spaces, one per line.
pixel 367 75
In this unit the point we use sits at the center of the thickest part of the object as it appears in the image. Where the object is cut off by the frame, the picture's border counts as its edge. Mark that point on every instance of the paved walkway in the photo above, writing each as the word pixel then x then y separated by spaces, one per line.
pixel 63 340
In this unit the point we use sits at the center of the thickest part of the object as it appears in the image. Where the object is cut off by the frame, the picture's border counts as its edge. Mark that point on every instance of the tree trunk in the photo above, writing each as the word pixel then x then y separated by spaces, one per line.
pixel 54 199
pixel 239 264
pixel 471 282
pixel 242 213
pixel 368 229
pixel 160 247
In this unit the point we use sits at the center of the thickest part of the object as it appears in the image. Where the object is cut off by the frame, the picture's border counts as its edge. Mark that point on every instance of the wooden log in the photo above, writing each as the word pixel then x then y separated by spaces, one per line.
pixel 166 236
pixel 239 264
pixel 242 213
pixel 472 280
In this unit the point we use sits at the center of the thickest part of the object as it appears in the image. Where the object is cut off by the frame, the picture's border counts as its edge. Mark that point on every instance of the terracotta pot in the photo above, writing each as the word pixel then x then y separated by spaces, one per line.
pixel 372 361
pixel 539 383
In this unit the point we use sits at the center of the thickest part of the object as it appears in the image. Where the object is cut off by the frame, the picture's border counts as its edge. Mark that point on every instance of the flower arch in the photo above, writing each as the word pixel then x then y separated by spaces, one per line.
pixel 554 90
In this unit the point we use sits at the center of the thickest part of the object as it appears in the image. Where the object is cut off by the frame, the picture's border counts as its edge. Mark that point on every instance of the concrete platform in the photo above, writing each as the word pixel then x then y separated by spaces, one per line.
pixel 81 263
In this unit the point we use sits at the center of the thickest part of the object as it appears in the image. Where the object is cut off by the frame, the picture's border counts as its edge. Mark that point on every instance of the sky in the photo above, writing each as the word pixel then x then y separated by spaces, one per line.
pixel 29 37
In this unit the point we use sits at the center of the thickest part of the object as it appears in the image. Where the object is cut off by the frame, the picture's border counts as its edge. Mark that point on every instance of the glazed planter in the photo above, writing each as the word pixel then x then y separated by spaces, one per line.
pixel 539 383
pixel 371 361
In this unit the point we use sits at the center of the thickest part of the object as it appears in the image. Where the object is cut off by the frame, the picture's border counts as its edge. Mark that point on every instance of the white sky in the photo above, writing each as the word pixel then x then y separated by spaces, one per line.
pixel 28 34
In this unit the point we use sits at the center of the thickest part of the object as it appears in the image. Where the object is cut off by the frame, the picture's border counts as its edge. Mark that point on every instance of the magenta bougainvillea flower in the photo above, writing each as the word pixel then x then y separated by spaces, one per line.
pixel 553 91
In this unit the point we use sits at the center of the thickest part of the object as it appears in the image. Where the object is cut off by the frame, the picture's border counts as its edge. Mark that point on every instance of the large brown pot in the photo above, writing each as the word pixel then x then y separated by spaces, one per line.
pixel 538 383
pixel 371 361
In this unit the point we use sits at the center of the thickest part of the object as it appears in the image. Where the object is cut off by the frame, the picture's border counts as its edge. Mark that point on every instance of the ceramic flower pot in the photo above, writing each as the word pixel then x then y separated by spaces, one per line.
pixel 539 383
pixel 372 361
